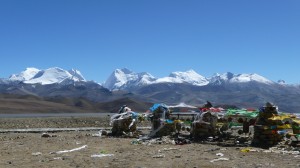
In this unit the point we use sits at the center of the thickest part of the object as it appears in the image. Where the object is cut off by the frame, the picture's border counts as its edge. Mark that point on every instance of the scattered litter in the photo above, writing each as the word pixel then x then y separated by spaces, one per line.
pixel 36 153
pixel 168 149
pixel 254 150
pixel 46 135
pixel 102 155
pixel 219 159
pixel 103 152
pixel 134 142
pixel 220 154
pixel 160 140
pixel 158 156
pixel 267 151
pixel 246 150
pixel 72 150
pixel 99 134
pixel 58 158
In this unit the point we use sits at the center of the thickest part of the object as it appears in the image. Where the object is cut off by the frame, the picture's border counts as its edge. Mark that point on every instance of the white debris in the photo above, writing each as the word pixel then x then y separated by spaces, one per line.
pixel 36 153
pixel 102 155
pixel 219 159
pixel 72 150
pixel 220 154
pixel 99 134
pixel 168 149
pixel 158 156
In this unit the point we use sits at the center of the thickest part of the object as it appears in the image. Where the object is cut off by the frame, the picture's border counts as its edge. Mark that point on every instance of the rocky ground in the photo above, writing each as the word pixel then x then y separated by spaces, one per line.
pixel 87 149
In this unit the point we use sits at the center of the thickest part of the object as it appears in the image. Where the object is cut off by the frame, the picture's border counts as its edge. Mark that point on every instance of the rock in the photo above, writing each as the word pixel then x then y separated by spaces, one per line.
pixel 45 135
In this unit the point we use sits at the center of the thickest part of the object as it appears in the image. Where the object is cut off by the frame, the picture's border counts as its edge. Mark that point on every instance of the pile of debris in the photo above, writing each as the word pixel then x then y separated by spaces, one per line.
pixel 295 137
pixel 263 127
pixel 124 123
pixel 162 125
pixel 204 125
pixel 269 128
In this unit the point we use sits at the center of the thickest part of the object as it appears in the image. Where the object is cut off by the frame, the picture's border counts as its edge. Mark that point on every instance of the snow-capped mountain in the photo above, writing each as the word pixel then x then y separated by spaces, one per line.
pixel 229 77
pixel 121 78
pixel 190 77
pixel 25 75
pixel 245 90
pixel 125 78
pixel 48 76
pixel 76 75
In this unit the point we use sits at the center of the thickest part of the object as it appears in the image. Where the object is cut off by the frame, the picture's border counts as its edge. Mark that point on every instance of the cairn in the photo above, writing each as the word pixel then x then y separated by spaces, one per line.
pixel 295 137
pixel 204 125
pixel 124 123
pixel 266 130
pixel 161 123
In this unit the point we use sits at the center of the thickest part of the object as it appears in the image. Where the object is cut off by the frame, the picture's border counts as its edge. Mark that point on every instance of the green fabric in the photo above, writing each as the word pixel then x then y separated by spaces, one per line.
pixel 242 113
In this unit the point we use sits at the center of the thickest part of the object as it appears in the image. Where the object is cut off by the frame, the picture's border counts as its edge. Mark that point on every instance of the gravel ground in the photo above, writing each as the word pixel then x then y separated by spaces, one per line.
pixel 86 149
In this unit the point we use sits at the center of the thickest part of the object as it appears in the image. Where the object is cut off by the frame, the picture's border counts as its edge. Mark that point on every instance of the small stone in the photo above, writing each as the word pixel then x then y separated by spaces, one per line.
pixel 45 135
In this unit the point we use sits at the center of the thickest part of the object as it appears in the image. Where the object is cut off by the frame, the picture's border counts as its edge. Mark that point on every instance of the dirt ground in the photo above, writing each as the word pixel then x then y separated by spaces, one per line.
pixel 86 149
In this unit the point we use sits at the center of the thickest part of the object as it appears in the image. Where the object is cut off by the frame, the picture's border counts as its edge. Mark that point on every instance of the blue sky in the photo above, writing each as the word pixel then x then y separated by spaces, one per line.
pixel 157 36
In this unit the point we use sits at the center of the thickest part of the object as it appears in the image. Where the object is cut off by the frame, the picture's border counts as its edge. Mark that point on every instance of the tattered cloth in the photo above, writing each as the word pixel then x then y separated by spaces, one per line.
pixel 204 125
pixel 124 123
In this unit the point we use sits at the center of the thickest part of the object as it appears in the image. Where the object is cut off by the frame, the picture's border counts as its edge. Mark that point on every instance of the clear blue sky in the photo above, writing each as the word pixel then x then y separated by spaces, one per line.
pixel 155 36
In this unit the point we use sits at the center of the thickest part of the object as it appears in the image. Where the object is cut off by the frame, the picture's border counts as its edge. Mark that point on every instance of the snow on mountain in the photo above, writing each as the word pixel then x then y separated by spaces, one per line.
pixel 238 78
pixel 121 78
pixel 3 81
pixel 76 74
pixel 125 78
pixel 183 105
pixel 242 78
pixel 25 75
pixel 190 77
pixel 48 76
pixel 144 78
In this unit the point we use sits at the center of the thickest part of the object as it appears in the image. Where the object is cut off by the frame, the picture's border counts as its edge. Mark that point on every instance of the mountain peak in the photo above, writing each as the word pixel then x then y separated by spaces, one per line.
pixel 48 76
pixel 76 74
pixel 121 78
pixel 125 78
pixel 242 78
pixel 189 76
pixel 229 77
pixel 124 71
pixel 27 74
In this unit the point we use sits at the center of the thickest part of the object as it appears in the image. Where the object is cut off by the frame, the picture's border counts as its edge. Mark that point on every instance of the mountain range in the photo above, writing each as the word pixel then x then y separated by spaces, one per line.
pixel 141 89
pixel 126 79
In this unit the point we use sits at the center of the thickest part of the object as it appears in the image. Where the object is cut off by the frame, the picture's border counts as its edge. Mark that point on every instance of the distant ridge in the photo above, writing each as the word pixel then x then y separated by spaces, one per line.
pixel 70 89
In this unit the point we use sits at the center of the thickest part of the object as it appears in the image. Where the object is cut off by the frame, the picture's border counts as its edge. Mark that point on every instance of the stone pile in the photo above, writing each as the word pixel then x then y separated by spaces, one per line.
pixel 266 130
pixel 121 127
pixel 204 126
pixel 124 123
